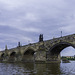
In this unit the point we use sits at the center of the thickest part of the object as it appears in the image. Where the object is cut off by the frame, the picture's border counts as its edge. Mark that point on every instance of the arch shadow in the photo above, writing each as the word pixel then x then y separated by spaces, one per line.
pixel 28 55
pixel 12 57
pixel 58 47
pixel 13 54
pixel 2 55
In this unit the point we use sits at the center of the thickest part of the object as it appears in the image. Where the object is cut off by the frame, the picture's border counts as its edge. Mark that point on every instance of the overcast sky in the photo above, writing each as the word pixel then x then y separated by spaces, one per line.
pixel 24 20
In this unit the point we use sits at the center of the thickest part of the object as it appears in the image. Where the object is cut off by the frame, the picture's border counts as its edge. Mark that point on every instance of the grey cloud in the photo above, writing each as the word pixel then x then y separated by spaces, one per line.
pixel 29 18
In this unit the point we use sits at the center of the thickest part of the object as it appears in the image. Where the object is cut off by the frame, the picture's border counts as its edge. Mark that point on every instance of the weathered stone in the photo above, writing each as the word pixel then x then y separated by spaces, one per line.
pixel 47 51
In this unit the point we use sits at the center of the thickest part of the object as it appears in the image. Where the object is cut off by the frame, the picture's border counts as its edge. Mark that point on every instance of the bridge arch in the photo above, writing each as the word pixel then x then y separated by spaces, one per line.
pixel 2 55
pixel 28 55
pixel 12 54
pixel 58 47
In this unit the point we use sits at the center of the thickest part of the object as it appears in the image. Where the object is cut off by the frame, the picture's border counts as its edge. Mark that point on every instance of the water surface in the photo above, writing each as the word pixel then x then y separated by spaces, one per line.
pixel 37 69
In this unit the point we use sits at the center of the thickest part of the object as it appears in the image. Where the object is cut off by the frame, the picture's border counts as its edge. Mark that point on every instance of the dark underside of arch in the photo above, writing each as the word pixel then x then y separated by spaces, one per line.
pixel 2 55
pixel 12 57
pixel 28 55
pixel 56 49
pixel 29 52
pixel 13 54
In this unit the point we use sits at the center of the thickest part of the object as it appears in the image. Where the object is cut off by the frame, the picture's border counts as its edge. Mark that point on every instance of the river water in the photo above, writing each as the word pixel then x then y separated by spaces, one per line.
pixel 37 69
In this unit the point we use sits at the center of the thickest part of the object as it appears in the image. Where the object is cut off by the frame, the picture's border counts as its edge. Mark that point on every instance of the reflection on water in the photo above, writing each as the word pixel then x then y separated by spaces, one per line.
pixel 37 69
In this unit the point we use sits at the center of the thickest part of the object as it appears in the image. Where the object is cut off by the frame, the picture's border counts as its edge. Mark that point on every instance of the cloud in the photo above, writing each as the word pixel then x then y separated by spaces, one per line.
pixel 69 28
pixel 26 19
pixel 14 38
pixel 1 49
pixel 11 4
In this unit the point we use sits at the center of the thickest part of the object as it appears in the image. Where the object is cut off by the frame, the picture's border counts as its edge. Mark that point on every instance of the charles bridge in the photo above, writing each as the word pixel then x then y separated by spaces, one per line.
pixel 42 51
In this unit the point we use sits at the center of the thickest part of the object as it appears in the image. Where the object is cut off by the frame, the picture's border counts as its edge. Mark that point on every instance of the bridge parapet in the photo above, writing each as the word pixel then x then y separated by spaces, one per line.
pixel 47 50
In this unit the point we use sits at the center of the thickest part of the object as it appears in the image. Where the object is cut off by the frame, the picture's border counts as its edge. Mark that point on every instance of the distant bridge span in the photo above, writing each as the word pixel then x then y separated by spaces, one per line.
pixel 45 51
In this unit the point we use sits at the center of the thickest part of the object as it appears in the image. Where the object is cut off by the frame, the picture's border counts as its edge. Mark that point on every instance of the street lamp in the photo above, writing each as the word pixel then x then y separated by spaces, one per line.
pixel 61 33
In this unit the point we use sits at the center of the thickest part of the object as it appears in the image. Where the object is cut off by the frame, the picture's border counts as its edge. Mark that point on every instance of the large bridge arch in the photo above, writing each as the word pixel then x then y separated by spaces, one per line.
pixel 12 56
pixel 58 47
pixel 28 55
pixel 53 53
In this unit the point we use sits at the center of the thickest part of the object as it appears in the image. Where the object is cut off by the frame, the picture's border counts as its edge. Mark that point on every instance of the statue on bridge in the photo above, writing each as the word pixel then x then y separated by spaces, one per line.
pixel 41 38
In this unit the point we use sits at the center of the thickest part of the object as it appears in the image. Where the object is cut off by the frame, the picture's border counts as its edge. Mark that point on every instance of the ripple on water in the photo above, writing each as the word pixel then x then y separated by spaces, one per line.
pixel 68 68
pixel 37 69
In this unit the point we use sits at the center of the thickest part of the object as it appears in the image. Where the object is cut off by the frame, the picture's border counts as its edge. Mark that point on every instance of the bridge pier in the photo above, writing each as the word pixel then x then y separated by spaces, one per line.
pixel 53 58
pixel 40 56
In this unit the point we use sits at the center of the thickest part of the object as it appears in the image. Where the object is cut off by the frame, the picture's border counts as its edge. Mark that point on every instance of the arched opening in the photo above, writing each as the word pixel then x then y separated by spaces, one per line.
pixel 54 52
pixel 2 55
pixel 28 55
pixel 57 48
pixel 13 54
pixel 12 57
pixel 29 52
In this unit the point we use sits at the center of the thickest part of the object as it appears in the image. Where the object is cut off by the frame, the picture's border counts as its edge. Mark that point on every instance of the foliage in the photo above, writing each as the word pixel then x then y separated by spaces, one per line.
pixel 70 58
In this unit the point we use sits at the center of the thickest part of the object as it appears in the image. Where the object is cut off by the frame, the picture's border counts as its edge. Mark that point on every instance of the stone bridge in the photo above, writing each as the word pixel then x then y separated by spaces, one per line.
pixel 42 51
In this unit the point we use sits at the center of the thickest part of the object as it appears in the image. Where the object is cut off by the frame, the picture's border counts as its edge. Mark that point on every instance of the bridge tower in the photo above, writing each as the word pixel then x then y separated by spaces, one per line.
pixel 40 37
pixel 19 44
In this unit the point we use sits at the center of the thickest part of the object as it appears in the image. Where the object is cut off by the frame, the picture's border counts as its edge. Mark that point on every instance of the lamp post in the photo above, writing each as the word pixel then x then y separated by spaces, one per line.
pixel 61 33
